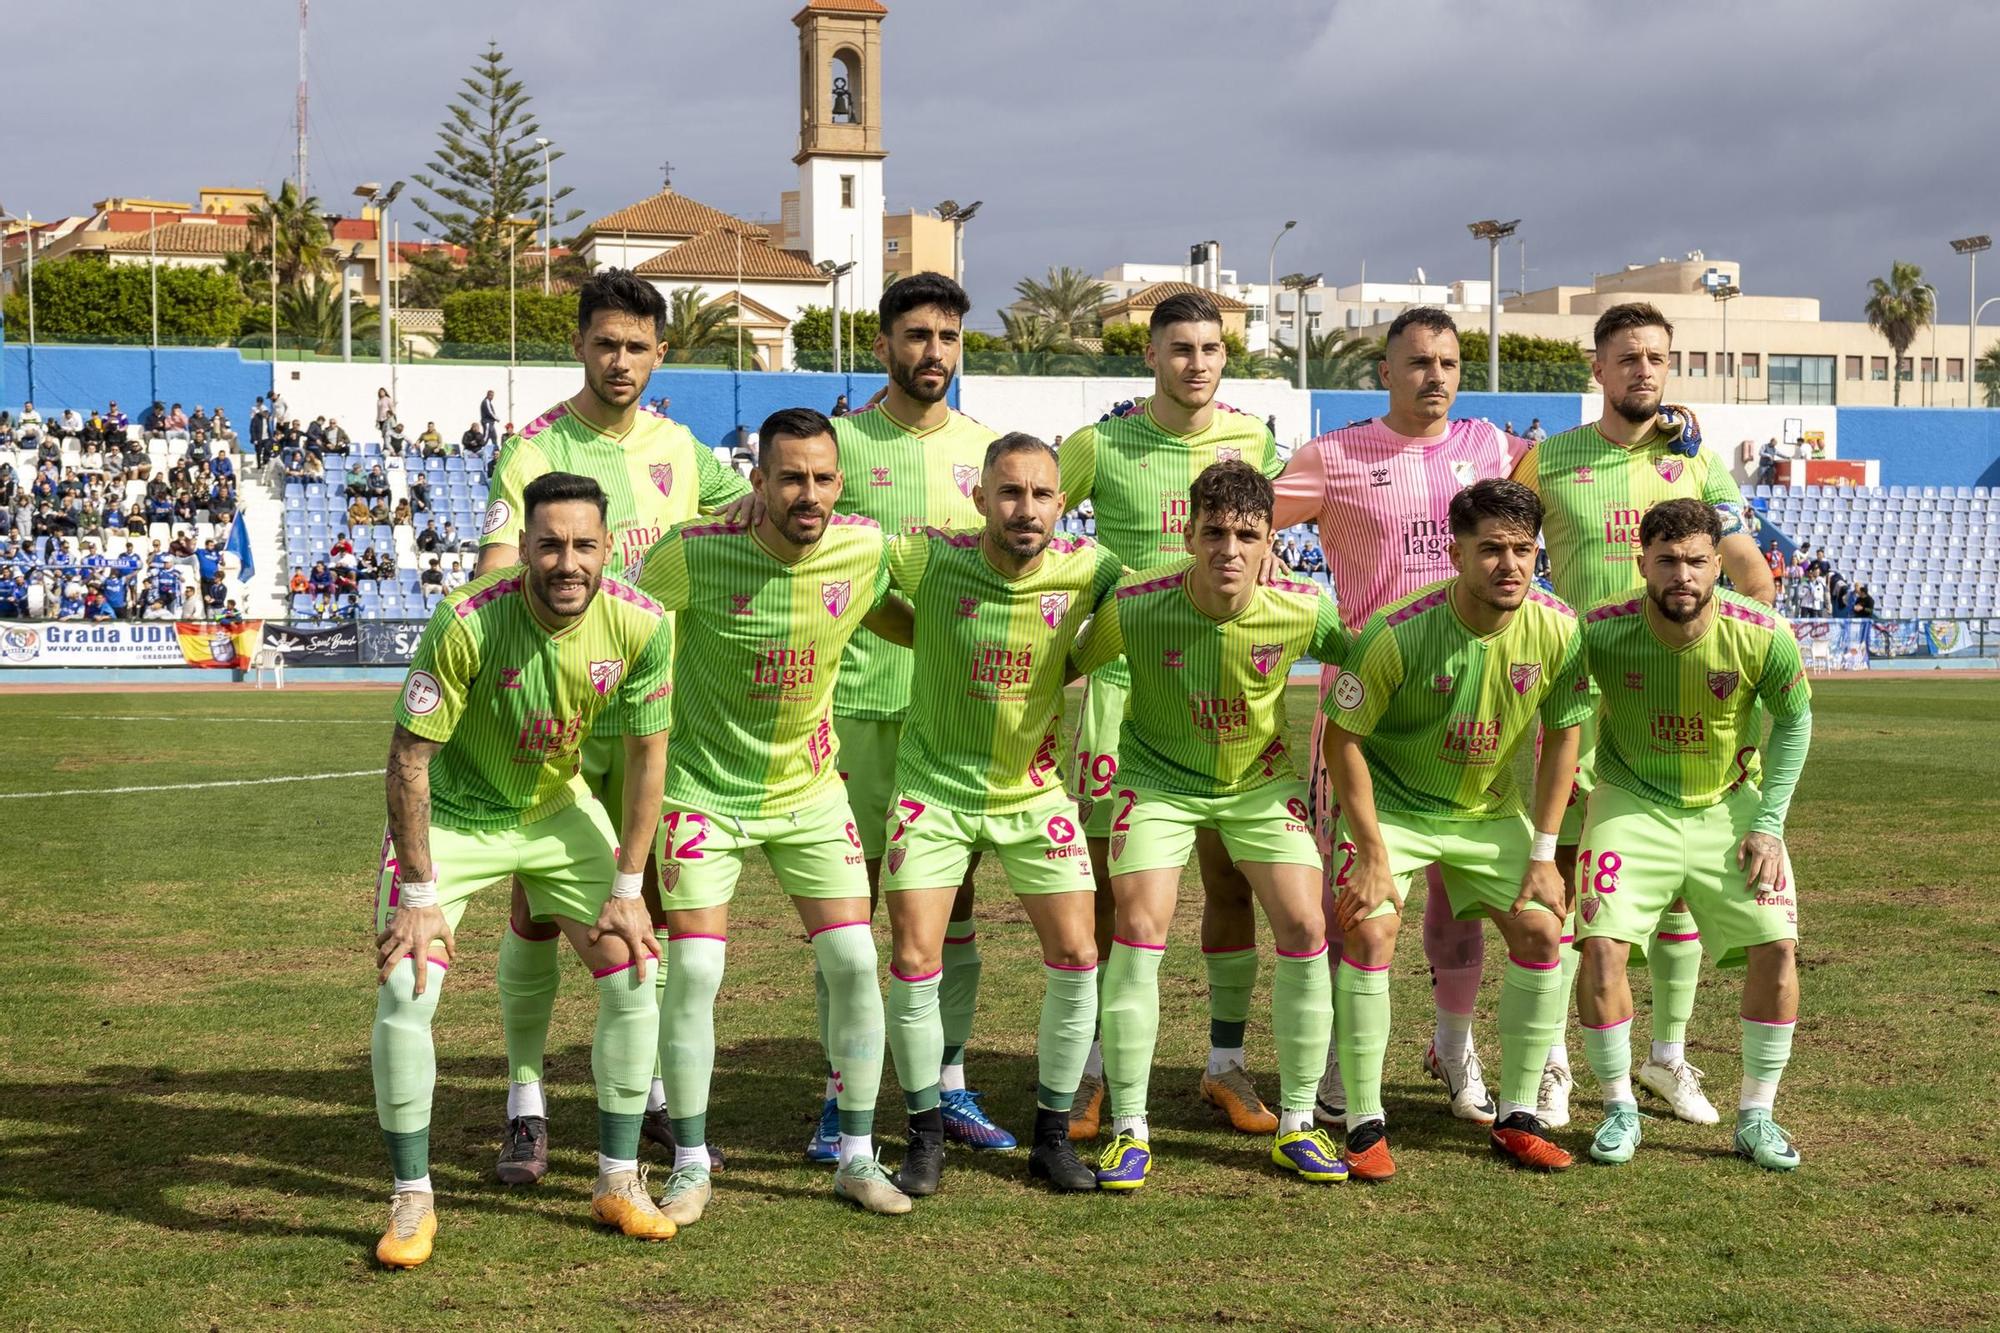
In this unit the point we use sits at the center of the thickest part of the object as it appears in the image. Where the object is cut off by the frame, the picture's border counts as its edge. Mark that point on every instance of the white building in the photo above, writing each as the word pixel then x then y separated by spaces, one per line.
pixel 1353 306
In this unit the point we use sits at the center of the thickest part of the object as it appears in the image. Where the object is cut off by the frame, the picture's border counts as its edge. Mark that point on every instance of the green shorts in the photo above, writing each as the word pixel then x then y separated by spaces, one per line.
pixel 1481 860
pixel 564 862
pixel 1265 826
pixel 1041 847
pixel 814 852
pixel 601 761
pixel 868 766
pixel 1637 857
pixel 1094 781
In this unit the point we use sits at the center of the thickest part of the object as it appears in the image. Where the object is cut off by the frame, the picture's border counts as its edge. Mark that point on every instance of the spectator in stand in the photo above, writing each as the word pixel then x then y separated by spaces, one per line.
pixel 355 481
pixel 320 581
pixel 6 429
pixel 1535 431
pixel 455 576
pixel 316 435
pixel 299 585
pixel 370 570
pixel 182 545
pixel 357 512
pixel 70 607
pixel 489 420
pixel 198 447
pixel 337 440
pixel 448 539
pixel 176 423
pixel 429 541
pixel 198 420
pixel 343 545
pixel 293 461
pixel 159 509
pixel 1767 462
pixel 28 426
pixel 72 423
pixel 420 496
pixel 230 618
pixel 315 468
pixel 473 440
pixel 349 609
pixel 386 569
pixel 214 592
pixel 118 596
pixel 385 417
pixel 346 576
pixel 13 594
pixel 840 408
pixel 401 518
pixel 113 520
pixel 1775 558
pixel 221 466
pixel 322 606
pixel 432 581
pixel 165 601
pixel 376 483
pixel 1864 603
pixel 430 443
pixel 1839 595
pixel 1509 429
pixel 184 510
pixel 138 462
pixel 379 514
pixel 222 432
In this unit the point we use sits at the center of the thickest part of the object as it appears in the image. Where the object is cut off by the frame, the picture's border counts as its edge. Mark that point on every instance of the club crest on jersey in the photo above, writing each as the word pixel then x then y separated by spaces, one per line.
pixel 605 675
pixel 1055 605
pixel 1264 656
pixel 964 475
pixel 1465 470
pixel 663 477
pixel 878 476
pixel 1441 683
pixel 1228 455
pixel 1670 469
pixel 1581 476
pixel 1722 684
pixel 1524 676
pixel 968 607
pixel 834 597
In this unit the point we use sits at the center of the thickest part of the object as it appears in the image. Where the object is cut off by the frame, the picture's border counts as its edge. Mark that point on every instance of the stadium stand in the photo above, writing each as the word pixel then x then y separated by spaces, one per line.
pixel 1930 551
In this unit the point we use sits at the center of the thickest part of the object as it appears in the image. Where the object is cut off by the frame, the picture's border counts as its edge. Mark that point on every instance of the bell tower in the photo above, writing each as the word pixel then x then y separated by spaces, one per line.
pixel 840 141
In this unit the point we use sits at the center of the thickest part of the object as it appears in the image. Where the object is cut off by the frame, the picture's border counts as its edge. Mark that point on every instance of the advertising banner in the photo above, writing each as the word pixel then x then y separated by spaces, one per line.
pixel 315 645
pixel 390 642
pixel 1836 645
pixel 207 644
pixel 47 643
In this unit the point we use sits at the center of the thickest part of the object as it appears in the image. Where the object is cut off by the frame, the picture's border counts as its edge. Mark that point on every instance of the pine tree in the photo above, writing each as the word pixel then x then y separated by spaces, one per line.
pixel 486 169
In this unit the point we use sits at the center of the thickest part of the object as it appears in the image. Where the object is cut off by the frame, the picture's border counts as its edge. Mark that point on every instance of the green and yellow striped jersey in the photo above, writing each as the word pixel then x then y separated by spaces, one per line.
pixel 759 649
pixel 906 481
pixel 512 702
pixel 1679 725
pixel 1206 712
pixel 1441 710
pixel 984 731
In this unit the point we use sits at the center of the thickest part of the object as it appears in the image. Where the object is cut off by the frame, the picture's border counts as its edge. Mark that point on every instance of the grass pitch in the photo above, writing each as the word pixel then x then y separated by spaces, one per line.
pixel 187 1134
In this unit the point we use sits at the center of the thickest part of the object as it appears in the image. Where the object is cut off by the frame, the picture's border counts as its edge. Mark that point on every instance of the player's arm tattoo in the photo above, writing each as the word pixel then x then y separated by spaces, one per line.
pixel 893 620
pixel 409 793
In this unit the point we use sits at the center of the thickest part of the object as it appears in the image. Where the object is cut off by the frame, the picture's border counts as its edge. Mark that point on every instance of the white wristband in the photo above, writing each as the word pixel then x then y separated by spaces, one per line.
pixel 624 885
pixel 1543 848
pixel 417 893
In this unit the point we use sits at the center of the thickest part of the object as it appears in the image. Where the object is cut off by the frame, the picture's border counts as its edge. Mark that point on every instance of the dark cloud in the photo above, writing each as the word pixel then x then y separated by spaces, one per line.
pixel 1814 142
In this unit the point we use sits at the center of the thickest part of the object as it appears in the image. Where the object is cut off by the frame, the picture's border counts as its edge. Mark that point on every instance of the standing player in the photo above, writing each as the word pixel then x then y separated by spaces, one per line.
pixel 979 767
pixel 764 613
pixel 512 672
pixel 1379 491
pixel 1682 668
pixel 1134 468
pixel 1211 651
pixel 654 474
pixel 913 462
pixel 1595 483
pixel 1434 699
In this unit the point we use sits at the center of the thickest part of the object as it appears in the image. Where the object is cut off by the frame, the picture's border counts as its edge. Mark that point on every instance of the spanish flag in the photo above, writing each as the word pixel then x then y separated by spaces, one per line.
pixel 205 643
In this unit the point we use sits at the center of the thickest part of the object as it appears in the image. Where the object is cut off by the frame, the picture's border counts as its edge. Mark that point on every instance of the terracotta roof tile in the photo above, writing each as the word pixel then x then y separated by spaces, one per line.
pixel 182 238
pixel 1148 297
pixel 665 214
pixel 713 255
pixel 841 7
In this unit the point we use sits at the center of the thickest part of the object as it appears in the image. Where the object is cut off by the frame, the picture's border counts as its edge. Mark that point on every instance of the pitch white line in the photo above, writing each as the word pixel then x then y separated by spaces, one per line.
pixel 219 717
pixel 187 786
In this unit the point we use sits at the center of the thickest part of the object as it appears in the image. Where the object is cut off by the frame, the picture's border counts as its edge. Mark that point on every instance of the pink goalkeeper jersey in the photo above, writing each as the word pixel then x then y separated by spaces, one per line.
pixel 1380 500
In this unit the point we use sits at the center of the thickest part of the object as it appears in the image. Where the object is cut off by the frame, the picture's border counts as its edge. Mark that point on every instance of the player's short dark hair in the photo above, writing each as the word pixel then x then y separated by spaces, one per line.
pixel 559 487
pixel 919 290
pixel 1678 520
pixel 1234 489
pixel 1429 317
pixel 620 290
pixel 1015 442
pixel 1196 307
pixel 1630 315
pixel 794 423
pixel 1511 504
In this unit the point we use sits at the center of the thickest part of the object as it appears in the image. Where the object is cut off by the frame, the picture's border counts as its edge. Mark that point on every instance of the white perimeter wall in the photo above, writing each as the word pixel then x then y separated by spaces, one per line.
pixel 432 391
pixel 1049 406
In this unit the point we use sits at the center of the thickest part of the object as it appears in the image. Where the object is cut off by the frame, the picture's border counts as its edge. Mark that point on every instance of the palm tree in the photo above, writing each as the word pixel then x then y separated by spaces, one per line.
pixel 693 327
pixel 1336 359
pixel 310 312
pixel 1989 374
pixel 1067 300
pixel 302 236
pixel 1035 334
pixel 1899 309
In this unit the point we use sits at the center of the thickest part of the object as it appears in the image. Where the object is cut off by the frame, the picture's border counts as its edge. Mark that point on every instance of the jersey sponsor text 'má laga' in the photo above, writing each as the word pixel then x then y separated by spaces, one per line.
pixel 513 702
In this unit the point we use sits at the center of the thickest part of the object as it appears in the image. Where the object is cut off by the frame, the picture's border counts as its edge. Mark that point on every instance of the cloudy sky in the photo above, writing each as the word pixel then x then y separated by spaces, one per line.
pixel 1814 141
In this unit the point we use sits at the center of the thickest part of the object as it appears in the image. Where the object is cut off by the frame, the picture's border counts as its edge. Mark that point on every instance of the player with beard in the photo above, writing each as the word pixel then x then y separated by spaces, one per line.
pixel 511 673
pixel 911 461
pixel 764 614
pixel 1379 492
pixel 654 474
pixel 1134 468
pixel 980 768
pixel 1425 717
pixel 1683 669
pixel 1596 483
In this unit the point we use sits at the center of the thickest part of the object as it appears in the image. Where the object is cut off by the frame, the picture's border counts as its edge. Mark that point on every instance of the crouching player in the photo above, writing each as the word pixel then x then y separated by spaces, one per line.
pixel 996 610
pixel 1437 694
pixel 510 673
pixel 1682 669
pixel 1202 746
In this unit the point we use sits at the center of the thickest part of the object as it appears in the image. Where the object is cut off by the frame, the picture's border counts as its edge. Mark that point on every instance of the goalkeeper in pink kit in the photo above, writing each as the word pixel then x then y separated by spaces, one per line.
pixel 1379 491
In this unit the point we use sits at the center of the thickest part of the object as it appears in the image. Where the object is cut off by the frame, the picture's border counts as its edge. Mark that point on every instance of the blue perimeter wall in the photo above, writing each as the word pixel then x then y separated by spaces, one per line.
pixel 1917 446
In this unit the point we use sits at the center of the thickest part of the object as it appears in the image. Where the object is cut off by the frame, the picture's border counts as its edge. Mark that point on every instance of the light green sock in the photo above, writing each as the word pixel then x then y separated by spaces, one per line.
pixel 1609 1050
pixel 916 1038
pixel 405 1066
pixel 1232 975
pixel 1571 959
pixel 846 956
pixel 1673 956
pixel 1361 1007
pixel 1062 1043
pixel 820 1007
pixel 1301 1024
pixel 528 976
pixel 1767 1049
pixel 622 1051
pixel 687 1032
pixel 1130 1019
pixel 1531 1005
pixel 958 991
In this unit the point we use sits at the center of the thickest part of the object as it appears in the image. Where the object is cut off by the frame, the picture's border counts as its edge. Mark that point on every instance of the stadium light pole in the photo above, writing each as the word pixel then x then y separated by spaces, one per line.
pixel 1724 293
pixel 1298 284
pixel 1271 286
pixel 153 271
pixel 548 216
pixel 1937 371
pixel 385 303
pixel 1493 232
pixel 1977 311
pixel 512 270
pixel 834 273
pixel 27 222
pixel 958 216
pixel 1970 246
